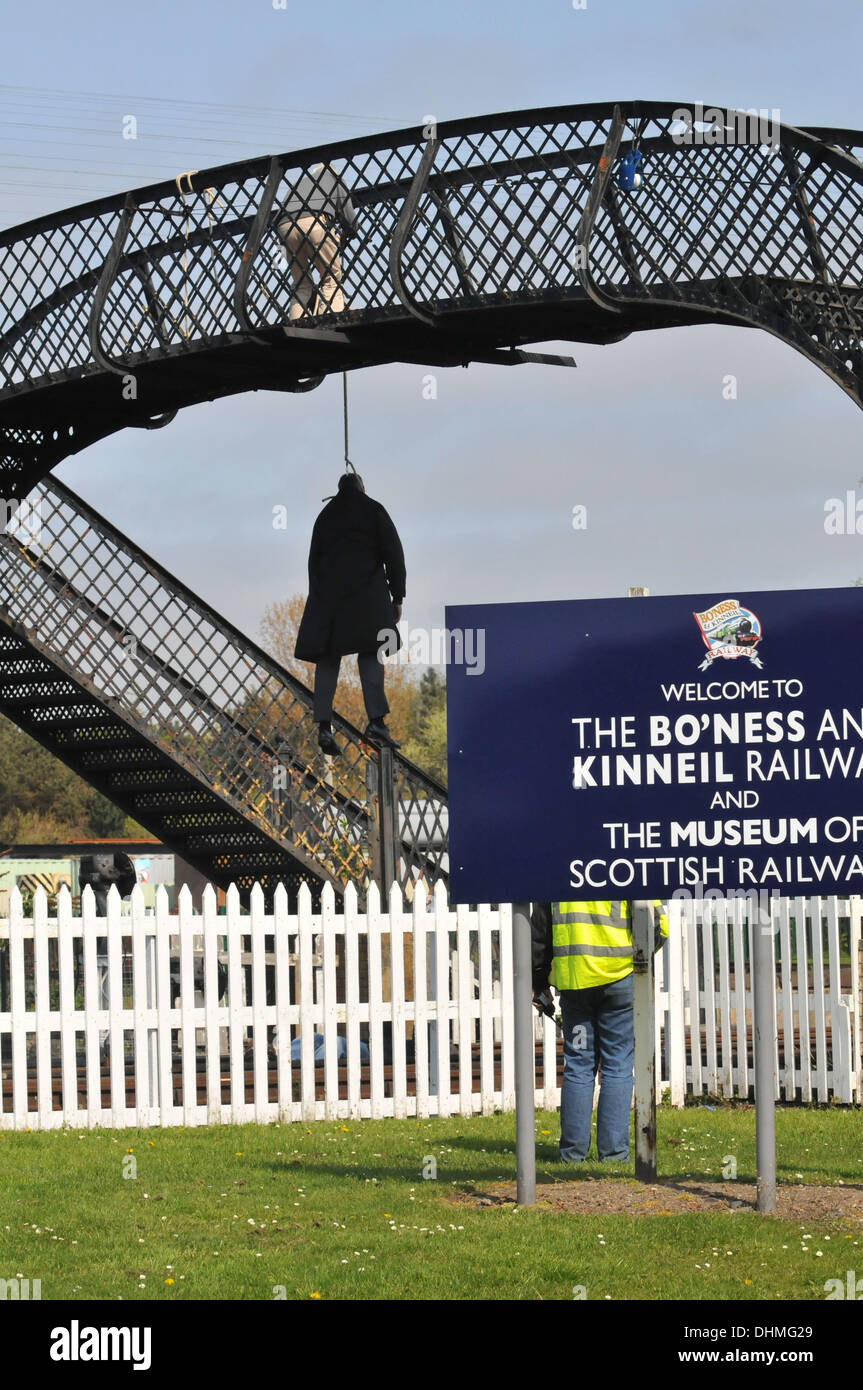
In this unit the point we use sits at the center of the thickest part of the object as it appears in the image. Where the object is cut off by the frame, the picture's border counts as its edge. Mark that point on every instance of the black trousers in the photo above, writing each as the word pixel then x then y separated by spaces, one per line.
pixel 371 679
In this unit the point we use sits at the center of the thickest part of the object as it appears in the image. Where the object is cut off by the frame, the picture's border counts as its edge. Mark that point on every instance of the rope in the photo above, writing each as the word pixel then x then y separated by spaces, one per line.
pixel 349 467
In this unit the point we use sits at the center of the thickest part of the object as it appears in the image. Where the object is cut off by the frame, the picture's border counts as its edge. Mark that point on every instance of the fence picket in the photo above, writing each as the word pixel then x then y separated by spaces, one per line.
pixel 741 1038
pixel 840 1043
pixel 675 1045
pixel 421 1004
pixel 708 917
pixel 507 1050
pixel 723 929
pixel 42 1016
pixel 236 1051
pixel 442 1000
pixel 212 1015
pixel 397 995
pixel 140 1029
pixel 187 1035
pixel 92 1016
pixel 306 1013
pixel 764 923
pixel 784 1000
pixel 66 929
pixel 463 989
pixel 17 1010
pixel 856 1003
pixel 260 1056
pixel 330 1009
pixel 819 1000
pixel 487 1011
pixel 376 1008
pixel 116 1036
pixel 801 936
pixel 692 993
pixel 282 1031
pixel 351 942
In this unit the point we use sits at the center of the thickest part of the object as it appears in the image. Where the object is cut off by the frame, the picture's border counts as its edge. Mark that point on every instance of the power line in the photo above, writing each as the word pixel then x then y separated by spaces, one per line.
pixel 161 135
pixel 184 101
pixel 234 132
pixel 164 110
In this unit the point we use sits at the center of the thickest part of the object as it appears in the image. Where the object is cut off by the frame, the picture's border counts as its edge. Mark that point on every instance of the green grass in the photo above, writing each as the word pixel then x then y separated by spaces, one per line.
pixel 341 1210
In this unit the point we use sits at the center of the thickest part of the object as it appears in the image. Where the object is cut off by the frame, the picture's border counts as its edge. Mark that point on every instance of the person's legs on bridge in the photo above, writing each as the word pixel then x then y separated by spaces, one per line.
pixel 329 267
pixel 309 242
pixel 299 252
pixel 374 697
pixel 372 675
pixel 372 672
pixel 326 680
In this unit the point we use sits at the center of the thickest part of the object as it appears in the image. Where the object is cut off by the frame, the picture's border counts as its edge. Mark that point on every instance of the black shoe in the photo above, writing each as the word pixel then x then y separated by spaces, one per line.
pixel 327 743
pixel 377 732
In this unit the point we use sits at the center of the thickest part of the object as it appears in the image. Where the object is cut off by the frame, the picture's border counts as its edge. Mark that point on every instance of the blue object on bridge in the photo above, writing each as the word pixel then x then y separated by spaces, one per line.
pixel 629 173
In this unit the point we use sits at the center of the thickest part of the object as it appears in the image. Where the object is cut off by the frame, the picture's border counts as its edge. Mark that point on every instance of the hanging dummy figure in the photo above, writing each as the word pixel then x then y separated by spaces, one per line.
pixel 356 589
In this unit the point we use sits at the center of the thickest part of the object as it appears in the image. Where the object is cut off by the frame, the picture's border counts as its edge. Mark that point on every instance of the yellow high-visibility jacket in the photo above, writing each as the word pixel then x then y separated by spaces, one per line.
pixel 592 942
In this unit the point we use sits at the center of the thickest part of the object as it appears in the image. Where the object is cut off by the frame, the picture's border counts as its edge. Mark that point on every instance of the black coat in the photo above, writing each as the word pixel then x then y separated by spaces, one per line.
pixel 356 574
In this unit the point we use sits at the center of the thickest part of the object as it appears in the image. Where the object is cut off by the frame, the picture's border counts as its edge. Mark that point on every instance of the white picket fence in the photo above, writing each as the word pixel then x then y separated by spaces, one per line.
pixel 704 999
pixel 437 980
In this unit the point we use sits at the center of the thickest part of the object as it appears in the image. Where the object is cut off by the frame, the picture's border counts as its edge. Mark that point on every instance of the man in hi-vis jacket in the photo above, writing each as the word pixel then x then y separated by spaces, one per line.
pixel 584 949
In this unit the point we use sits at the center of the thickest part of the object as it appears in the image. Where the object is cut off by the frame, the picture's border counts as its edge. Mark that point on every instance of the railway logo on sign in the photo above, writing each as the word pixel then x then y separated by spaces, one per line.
pixel 729 630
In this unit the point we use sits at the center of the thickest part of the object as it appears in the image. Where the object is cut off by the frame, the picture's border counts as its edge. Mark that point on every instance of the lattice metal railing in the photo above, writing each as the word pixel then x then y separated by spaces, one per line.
pixel 470 216
pixel 194 687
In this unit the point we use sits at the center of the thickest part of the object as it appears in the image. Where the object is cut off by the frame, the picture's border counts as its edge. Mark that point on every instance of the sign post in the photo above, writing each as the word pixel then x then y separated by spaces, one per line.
pixel 644 1024
pixel 644 1118
pixel 525 1065
pixel 763 1043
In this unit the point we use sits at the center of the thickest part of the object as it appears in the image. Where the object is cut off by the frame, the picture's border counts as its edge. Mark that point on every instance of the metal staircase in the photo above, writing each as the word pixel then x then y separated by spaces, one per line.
pixel 161 704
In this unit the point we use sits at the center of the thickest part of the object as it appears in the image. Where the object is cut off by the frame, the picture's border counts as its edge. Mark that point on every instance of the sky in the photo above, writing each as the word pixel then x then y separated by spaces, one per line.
pixel 684 490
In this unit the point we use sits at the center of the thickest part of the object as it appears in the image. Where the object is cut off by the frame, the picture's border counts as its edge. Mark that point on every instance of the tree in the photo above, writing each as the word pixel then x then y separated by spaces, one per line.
pixel 42 800
pixel 428 750
pixel 426 741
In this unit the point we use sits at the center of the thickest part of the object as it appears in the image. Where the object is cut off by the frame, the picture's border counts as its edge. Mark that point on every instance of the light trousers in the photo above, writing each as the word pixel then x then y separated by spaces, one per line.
pixel 312 243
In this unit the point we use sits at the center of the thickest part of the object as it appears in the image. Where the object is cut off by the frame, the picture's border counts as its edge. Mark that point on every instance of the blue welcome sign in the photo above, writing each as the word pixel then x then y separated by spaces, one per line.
pixel 630 748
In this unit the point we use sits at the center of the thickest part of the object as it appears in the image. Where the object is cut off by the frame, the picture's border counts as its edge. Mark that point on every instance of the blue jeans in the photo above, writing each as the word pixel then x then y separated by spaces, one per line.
pixel 597 1032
